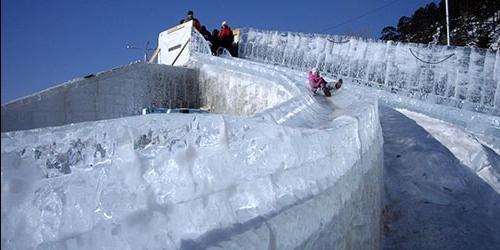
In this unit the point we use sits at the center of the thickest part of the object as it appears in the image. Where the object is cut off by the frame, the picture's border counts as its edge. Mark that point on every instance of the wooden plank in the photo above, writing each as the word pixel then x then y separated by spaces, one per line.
pixel 154 55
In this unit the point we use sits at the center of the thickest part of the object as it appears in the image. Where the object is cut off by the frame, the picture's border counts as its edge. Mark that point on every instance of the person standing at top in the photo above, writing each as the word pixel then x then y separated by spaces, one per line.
pixel 189 17
pixel 215 41
pixel 208 37
pixel 206 34
pixel 226 37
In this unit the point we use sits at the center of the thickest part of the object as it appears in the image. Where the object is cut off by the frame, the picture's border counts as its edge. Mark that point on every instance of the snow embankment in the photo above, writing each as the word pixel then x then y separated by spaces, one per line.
pixel 464 146
pixel 441 185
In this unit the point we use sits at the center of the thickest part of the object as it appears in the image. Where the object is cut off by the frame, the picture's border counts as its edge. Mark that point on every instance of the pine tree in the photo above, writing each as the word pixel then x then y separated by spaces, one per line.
pixel 472 23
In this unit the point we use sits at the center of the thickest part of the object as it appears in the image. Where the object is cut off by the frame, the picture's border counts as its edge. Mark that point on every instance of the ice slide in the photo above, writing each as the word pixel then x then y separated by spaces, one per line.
pixel 272 167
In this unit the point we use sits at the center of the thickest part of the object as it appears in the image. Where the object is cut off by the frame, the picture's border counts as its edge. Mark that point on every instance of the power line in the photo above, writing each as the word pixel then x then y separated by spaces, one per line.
pixel 429 62
pixel 360 16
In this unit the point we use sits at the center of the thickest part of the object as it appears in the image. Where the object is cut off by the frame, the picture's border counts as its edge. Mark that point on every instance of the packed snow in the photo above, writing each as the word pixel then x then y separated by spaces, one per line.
pixel 441 185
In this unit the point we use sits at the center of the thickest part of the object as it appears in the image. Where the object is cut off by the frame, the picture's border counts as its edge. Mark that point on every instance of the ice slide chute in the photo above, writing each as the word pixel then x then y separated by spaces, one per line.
pixel 275 168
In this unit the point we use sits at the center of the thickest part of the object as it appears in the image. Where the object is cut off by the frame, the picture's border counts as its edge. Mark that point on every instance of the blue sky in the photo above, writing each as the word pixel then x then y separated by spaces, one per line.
pixel 47 42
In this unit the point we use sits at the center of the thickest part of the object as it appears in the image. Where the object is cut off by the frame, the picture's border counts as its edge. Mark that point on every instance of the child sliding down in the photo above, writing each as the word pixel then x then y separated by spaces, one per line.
pixel 316 82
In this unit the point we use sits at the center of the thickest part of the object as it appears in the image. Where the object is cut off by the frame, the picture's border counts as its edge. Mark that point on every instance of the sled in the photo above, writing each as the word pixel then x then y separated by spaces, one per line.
pixel 327 90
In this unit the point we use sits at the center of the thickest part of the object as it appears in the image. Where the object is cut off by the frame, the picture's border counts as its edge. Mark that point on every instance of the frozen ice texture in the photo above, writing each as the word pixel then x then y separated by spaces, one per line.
pixel 179 181
pixel 464 78
pixel 273 166
pixel 119 92
pixel 456 84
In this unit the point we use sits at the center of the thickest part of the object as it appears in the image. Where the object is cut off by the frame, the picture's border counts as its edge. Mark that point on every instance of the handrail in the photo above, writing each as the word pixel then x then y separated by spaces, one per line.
pixel 180 52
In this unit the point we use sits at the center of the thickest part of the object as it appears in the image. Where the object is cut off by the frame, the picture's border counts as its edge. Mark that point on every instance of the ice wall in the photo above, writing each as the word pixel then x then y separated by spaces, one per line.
pixel 290 171
pixel 298 173
pixel 120 92
pixel 180 181
pixel 235 89
pixel 196 181
pixel 464 78
pixel 126 90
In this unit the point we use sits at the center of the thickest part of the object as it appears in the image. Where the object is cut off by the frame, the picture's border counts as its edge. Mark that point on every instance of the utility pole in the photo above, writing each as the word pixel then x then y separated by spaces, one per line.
pixel 147 45
pixel 447 24
pixel 146 49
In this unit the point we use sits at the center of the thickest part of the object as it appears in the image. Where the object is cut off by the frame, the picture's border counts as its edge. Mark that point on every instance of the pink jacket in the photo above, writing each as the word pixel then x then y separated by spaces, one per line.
pixel 315 81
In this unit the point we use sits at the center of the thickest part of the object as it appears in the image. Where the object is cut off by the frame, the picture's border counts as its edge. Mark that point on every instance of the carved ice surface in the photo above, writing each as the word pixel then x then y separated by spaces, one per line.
pixel 167 181
pixel 272 166
pixel 463 82
pixel 464 78
pixel 266 177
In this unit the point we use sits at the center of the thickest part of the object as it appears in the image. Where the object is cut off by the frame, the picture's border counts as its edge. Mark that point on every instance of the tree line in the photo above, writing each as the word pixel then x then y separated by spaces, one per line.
pixel 473 23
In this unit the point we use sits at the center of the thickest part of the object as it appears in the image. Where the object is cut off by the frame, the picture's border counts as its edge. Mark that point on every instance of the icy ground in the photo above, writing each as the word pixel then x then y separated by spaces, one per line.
pixel 441 185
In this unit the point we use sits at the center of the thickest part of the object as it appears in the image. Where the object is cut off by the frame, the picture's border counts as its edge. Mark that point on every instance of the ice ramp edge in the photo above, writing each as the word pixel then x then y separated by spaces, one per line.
pixel 125 91
pixel 122 91
pixel 183 181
